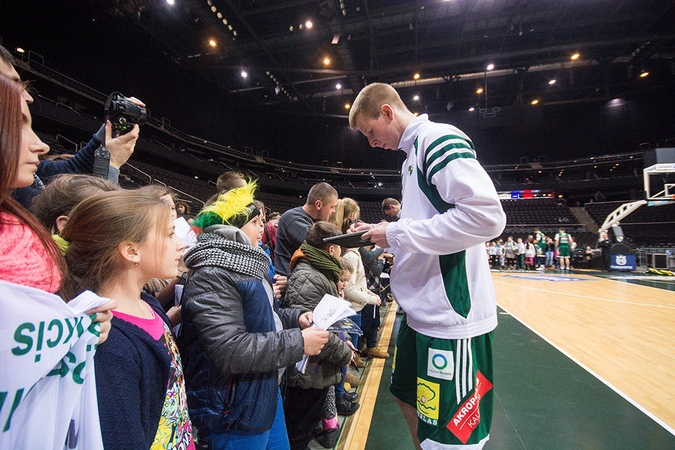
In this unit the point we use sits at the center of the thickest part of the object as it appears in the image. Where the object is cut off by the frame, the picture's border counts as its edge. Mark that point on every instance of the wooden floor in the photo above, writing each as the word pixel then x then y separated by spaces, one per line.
pixel 623 333
pixel 585 360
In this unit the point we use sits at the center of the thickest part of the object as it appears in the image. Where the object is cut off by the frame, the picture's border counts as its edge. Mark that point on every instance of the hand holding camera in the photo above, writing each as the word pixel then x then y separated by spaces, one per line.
pixel 123 115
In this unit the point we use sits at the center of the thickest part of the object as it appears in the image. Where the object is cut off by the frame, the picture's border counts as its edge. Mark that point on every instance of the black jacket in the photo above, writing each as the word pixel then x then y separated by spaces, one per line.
pixel 230 345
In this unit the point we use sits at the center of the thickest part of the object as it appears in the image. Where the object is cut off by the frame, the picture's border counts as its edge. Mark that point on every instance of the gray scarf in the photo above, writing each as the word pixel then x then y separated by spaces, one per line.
pixel 212 249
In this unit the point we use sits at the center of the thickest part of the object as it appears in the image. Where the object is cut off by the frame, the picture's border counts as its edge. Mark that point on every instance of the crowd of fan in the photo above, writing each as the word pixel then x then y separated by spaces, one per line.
pixel 203 340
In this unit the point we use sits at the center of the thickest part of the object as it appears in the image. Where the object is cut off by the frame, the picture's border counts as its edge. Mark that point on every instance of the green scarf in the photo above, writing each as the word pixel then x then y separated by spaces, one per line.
pixel 323 261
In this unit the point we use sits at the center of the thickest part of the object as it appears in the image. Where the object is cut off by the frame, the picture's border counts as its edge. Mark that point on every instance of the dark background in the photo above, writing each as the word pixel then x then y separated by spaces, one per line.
pixel 84 41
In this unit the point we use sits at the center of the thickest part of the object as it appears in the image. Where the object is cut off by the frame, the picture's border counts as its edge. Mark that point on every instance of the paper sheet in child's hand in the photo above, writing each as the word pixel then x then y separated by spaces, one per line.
pixel 329 310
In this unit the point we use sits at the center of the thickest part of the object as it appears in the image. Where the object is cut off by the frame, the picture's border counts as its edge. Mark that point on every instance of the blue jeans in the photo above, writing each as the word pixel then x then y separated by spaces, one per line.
pixel 549 258
pixel 355 337
pixel 276 438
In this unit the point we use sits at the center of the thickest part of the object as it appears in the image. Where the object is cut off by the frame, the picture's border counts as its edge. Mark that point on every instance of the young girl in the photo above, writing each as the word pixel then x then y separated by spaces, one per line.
pixel 530 252
pixel 30 258
pixel 235 340
pixel 117 241
pixel 356 291
pixel 54 204
pixel 316 271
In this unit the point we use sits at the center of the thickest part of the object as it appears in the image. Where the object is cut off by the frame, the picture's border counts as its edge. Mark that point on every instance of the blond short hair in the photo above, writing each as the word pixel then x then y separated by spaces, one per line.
pixel 370 100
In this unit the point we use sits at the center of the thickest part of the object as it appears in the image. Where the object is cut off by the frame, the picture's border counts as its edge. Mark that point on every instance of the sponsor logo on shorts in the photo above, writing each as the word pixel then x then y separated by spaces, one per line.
pixel 441 364
pixel 467 417
pixel 428 396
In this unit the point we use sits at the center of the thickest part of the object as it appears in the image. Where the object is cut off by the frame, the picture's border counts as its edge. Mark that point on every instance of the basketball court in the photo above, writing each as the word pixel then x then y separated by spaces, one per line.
pixel 581 361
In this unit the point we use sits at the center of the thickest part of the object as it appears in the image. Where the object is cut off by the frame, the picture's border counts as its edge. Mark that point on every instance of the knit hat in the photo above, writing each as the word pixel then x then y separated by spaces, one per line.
pixel 234 207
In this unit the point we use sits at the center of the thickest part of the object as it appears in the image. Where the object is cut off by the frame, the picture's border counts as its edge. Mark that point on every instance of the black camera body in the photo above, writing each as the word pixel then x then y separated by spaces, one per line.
pixel 123 114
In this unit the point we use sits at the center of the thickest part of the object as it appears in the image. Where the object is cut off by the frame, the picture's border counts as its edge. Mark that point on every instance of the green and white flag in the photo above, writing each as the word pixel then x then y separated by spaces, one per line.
pixel 47 384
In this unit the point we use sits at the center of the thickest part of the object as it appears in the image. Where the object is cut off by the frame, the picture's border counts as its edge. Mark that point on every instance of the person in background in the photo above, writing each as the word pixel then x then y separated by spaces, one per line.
pixel 605 244
pixel 316 271
pixel 117 241
pixel 441 277
pixel 53 205
pixel 391 207
pixel 270 232
pixel 563 247
pixel 520 253
pixel 236 343
pixel 163 289
pixel 550 253
pixel 183 210
pixel 510 253
pixel 121 148
pixel 530 252
pixel 230 180
pixel 357 292
pixel 373 264
pixel 294 223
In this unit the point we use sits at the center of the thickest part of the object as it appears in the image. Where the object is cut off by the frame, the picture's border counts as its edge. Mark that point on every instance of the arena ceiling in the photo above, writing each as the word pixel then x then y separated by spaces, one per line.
pixel 449 43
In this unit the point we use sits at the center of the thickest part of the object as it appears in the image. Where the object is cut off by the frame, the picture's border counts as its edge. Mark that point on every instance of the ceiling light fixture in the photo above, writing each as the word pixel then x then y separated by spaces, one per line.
pixel 535 101
pixel 472 109
pixel 326 61
pixel 347 106
pixel 212 42
pixel 416 97
pixel 644 74
pixel 490 66
pixel 575 56
pixel 338 86
pixel 170 2
pixel 552 82
pixel 479 91
pixel 416 76
pixel 244 74
pixel 309 24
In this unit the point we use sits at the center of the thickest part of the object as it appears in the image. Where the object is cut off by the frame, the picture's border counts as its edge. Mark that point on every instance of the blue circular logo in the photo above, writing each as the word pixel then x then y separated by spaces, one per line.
pixel 439 361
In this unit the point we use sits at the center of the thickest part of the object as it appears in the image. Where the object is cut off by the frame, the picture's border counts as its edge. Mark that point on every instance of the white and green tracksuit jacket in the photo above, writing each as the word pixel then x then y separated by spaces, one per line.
pixel 450 208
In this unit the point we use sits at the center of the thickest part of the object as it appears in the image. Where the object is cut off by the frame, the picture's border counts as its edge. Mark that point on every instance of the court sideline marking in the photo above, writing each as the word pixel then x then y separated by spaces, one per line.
pixel 601 379
pixel 357 426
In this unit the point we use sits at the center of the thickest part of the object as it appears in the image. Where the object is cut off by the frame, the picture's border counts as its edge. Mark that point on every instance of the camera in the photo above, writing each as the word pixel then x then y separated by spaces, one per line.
pixel 123 114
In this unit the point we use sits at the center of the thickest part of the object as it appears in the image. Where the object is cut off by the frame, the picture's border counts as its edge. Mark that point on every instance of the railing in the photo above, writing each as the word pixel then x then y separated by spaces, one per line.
pixel 60 137
pixel 185 194
pixel 130 166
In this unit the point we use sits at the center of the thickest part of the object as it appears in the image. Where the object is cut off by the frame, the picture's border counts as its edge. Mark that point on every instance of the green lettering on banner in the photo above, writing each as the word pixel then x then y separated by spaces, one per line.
pixel 51 343
pixel 21 338
pixel 71 328
pixel 17 399
pixel 94 327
